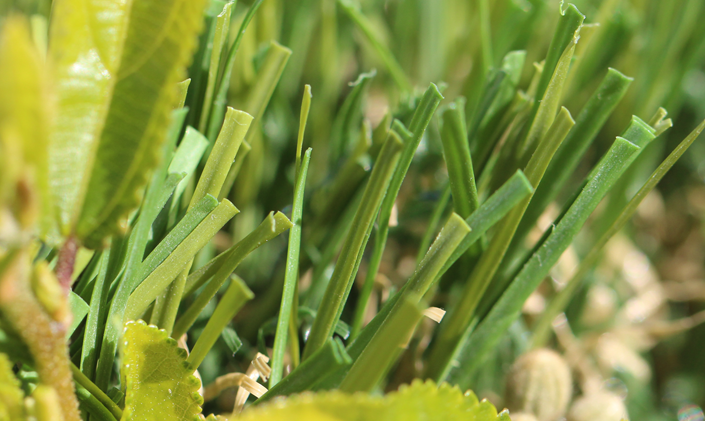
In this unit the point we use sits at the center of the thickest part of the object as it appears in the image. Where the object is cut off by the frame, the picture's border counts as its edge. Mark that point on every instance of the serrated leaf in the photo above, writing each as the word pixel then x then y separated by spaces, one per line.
pixel 117 65
pixel 160 384
pixel 419 401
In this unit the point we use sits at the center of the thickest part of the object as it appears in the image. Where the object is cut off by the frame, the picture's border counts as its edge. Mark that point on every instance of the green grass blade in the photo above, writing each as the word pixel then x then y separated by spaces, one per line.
pixel 428 271
pixel 291 276
pixel 94 390
pixel 346 267
pixel 457 321
pixel 489 213
pixel 175 237
pixel 185 160
pixel 223 265
pixel 136 246
pixel 91 405
pixel 420 120
pixel 94 324
pixel 348 118
pixel 431 230
pixel 588 123
pixel 384 348
pixel 456 153
pixel 230 137
pixel 561 300
pixel 508 307
pixel 220 37
pixel 569 23
pixel 384 53
pixel 259 95
pixel 221 98
pixel 232 301
pixel 161 277
pixel 548 105
pixel 234 130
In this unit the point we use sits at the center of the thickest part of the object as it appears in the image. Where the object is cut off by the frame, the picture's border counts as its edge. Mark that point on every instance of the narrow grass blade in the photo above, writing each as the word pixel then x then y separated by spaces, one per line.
pixel 384 53
pixel 220 38
pixel 491 211
pixel 508 307
pixel 329 358
pixel 86 383
pixel 232 301
pixel 94 324
pixel 175 237
pixel 222 266
pixel 419 122
pixel 221 98
pixel 588 123
pixel 457 321
pixel 549 102
pixel 185 160
pixel 347 119
pixel 267 79
pixel 292 258
pixel 160 278
pixel 562 299
pixel 346 267
pixel 232 133
pixel 569 23
pixel 456 153
pixel 135 249
pixel 431 230
pixel 90 404
pixel 235 128
pixel 384 348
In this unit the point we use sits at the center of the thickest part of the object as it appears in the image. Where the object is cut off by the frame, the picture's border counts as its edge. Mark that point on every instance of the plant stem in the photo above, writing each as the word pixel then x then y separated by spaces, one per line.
pixel 65 262
pixel 44 337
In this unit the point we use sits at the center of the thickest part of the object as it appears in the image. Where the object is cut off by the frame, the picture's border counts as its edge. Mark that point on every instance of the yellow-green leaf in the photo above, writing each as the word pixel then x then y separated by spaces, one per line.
pixel 160 385
pixel 11 396
pixel 417 402
pixel 116 67
pixel 24 116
